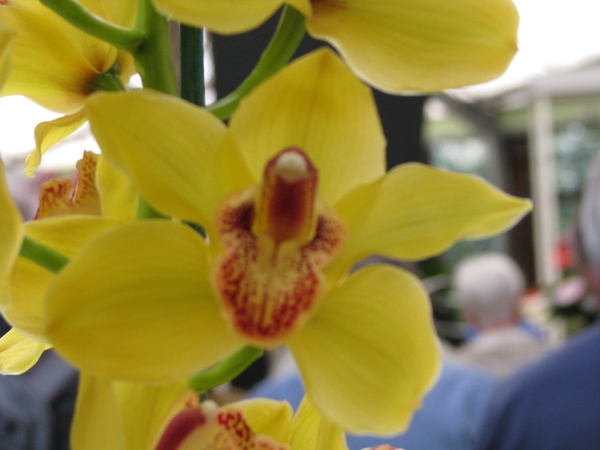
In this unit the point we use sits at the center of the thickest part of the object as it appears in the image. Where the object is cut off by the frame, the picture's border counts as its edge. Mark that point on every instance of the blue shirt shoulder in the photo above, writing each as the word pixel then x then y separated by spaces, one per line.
pixel 551 405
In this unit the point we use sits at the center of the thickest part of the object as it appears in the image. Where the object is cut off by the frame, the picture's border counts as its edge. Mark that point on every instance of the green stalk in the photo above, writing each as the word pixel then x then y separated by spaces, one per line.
pixel 225 371
pixel 282 47
pixel 153 57
pixel 155 65
pixel 192 64
pixel 42 255
pixel 108 81
pixel 79 16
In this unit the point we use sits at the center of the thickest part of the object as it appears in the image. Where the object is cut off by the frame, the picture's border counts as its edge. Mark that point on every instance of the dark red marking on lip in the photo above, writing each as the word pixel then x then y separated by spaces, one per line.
pixel 180 428
pixel 269 286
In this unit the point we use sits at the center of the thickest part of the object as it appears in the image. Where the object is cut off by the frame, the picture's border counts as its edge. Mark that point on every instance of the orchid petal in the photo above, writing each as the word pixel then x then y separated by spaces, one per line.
pixel 226 16
pixel 118 12
pixel 18 353
pixel 374 336
pixel 118 195
pixel 60 197
pixel 417 211
pixel 125 415
pixel 5 53
pixel 179 155
pixel 310 430
pixel 49 133
pixel 11 236
pixel 136 304
pixel 53 63
pixel 146 410
pixel 97 421
pixel 29 281
pixel 268 417
pixel 315 104
pixel 67 234
pixel 419 45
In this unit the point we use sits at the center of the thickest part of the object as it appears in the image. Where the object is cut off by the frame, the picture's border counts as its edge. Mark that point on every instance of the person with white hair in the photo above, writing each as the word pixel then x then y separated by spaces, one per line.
pixel 555 403
pixel 489 287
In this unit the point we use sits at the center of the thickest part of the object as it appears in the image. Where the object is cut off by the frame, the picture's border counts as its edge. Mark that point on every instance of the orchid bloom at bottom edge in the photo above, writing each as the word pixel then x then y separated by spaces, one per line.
pixel 129 416
pixel 291 195
pixel 68 216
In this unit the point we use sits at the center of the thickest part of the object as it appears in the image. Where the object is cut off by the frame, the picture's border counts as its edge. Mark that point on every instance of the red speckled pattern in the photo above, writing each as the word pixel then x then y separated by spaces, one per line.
pixel 269 287
pixel 58 198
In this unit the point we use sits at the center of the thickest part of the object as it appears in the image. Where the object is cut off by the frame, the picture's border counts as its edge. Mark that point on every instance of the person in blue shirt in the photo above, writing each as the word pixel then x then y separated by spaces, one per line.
pixel 448 420
pixel 555 404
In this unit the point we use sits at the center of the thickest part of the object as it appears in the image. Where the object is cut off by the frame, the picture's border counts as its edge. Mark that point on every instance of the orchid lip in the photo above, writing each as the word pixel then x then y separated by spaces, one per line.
pixel 277 237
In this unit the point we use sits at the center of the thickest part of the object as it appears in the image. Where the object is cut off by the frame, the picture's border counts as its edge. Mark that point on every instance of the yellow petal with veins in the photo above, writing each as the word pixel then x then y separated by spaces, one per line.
pixel 11 236
pixel 67 234
pixel 417 211
pixel 419 45
pixel 373 335
pixel 226 16
pixel 5 50
pixel 49 133
pixel 97 421
pixel 317 105
pixel 146 410
pixel 53 63
pixel 29 281
pixel 111 414
pixel 136 304
pixel 177 154
pixel 310 430
pixel 18 353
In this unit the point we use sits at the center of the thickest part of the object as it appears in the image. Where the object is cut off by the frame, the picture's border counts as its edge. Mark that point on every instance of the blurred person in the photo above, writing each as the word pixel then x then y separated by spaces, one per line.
pixel 24 423
pixel 555 404
pixel 490 287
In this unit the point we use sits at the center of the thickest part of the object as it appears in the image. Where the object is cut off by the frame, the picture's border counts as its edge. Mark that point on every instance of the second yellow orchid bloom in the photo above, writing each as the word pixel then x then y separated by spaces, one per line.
pixel 155 301
pixel 395 45
pixel 68 216
pixel 127 416
pixel 55 64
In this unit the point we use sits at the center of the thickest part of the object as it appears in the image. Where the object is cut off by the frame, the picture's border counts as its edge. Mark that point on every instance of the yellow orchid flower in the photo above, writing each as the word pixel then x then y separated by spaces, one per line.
pixel 5 47
pixel 55 64
pixel 67 217
pixel 291 196
pixel 395 45
pixel 129 416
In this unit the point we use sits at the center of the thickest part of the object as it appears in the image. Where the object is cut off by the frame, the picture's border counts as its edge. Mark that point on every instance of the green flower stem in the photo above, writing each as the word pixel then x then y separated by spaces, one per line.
pixel 288 36
pixel 82 18
pixel 153 57
pixel 192 64
pixel 42 255
pixel 108 81
pixel 226 370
